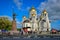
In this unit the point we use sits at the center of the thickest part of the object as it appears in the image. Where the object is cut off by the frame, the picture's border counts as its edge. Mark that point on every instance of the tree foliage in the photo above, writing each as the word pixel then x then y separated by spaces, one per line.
pixel 5 23
pixel 19 29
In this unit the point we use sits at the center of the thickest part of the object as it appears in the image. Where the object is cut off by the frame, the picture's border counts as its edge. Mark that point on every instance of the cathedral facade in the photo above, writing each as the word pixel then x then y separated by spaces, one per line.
pixel 33 23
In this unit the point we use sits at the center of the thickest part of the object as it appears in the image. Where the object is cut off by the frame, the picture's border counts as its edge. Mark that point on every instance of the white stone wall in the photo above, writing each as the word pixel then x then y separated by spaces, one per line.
pixel 26 25
pixel 44 25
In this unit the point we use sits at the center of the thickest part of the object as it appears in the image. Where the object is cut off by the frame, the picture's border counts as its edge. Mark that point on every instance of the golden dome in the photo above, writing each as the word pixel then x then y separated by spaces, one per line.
pixel 44 11
pixel 32 9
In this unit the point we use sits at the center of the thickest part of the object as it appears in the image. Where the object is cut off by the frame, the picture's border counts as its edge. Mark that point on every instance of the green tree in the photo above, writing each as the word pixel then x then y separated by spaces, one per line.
pixel 5 23
pixel 19 29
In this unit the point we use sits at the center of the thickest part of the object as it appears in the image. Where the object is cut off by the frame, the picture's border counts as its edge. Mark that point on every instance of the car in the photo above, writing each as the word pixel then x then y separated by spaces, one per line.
pixel 54 31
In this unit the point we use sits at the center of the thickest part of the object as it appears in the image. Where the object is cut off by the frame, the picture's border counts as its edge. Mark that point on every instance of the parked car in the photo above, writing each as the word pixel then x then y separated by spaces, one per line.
pixel 54 31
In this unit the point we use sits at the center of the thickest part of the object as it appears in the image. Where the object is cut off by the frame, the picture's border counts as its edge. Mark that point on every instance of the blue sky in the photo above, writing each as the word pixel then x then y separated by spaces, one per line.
pixel 21 8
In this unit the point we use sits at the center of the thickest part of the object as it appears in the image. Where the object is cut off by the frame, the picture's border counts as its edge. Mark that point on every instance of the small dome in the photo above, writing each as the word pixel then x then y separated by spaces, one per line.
pixel 24 16
pixel 44 11
pixel 26 21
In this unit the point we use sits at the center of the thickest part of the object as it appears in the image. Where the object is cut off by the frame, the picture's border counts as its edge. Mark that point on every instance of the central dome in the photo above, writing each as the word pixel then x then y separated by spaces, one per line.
pixel 32 9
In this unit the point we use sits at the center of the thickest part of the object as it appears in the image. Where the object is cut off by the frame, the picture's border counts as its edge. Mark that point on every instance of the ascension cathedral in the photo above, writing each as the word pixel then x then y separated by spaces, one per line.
pixel 33 23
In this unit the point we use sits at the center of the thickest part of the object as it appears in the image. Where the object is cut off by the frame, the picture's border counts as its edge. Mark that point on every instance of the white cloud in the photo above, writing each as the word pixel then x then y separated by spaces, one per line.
pixel 52 7
pixel 18 3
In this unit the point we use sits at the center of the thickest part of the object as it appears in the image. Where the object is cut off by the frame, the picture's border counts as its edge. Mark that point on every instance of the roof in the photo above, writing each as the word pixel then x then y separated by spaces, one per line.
pixel 32 9
pixel 26 27
pixel 26 21
pixel 44 11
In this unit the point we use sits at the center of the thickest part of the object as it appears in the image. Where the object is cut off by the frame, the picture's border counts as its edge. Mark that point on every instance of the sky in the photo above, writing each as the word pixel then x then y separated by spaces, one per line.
pixel 21 8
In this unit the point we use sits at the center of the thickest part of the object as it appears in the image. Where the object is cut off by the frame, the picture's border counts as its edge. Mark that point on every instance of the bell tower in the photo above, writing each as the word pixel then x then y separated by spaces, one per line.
pixel 33 12
pixel 33 16
pixel 45 20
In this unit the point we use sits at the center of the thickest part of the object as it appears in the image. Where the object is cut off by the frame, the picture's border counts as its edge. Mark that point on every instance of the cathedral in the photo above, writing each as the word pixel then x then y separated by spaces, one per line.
pixel 34 23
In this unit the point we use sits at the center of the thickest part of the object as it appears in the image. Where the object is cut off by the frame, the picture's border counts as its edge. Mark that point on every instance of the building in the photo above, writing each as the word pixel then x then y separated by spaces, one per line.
pixel 35 24
pixel 44 24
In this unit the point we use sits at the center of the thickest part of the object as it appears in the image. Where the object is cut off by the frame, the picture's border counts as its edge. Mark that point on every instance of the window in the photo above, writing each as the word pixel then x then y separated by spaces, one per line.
pixel 26 25
pixel 45 14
